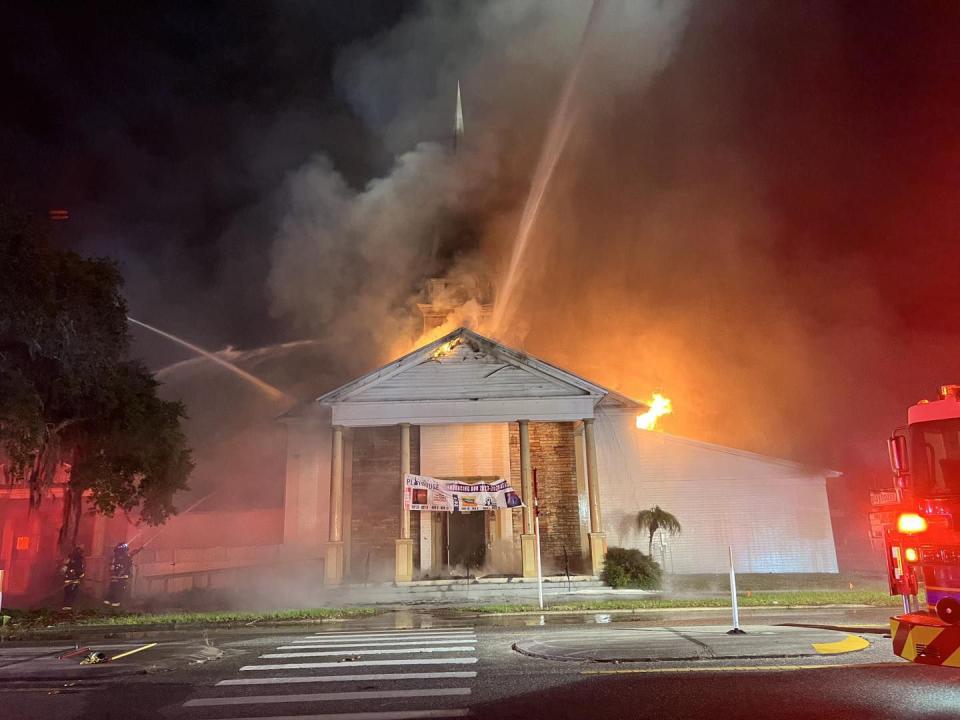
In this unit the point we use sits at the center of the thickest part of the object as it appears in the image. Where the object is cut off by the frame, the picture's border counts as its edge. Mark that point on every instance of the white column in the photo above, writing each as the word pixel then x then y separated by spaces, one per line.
pixel 403 568
pixel 528 541
pixel 333 567
pixel 598 539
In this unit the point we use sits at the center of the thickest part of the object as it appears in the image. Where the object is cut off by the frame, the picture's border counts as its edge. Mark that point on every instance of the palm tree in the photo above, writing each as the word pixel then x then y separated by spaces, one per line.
pixel 657 519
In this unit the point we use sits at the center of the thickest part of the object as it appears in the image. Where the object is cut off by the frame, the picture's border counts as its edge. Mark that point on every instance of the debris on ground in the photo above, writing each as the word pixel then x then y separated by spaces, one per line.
pixel 94 658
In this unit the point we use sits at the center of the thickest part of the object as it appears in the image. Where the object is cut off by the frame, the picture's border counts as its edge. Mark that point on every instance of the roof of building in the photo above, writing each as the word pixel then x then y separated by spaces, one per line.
pixel 465 344
pixel 463 365
pixel 663 437
pixel 466 367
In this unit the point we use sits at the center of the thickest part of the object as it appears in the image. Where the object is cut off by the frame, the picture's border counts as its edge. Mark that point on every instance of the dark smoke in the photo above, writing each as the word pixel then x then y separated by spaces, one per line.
pixel 754 213
pixel 739 234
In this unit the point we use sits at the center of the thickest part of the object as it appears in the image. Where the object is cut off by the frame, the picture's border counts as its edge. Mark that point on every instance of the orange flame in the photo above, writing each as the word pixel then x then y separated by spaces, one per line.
pixel 446 348
pixel 659 406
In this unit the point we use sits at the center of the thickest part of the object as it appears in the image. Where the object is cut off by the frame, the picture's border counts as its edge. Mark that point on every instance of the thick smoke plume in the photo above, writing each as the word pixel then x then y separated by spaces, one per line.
pixel 737 218
pixel 694 237
pixel 651 263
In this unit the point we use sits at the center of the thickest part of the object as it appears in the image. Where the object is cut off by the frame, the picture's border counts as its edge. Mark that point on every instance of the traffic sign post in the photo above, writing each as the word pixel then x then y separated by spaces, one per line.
pixel 733 598
pixel 536 534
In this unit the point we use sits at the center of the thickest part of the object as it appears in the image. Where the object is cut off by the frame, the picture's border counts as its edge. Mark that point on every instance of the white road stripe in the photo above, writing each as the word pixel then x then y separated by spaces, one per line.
pixel 376 643
pixel 352 638
pixel 352 678
pixel 394 631
pixel 327 697
pixel 391 651
pixel 387 715
pixel 361 663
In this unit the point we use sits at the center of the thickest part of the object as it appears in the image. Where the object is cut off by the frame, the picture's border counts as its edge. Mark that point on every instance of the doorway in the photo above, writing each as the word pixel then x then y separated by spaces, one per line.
pixel 466 540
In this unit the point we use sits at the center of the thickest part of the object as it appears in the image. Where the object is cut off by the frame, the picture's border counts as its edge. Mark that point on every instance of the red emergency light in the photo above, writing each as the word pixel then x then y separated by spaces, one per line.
pixel 911 523
pixel 59 214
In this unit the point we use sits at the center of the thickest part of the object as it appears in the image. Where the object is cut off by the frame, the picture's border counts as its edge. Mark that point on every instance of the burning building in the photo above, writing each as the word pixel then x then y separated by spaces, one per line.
pixel 465 407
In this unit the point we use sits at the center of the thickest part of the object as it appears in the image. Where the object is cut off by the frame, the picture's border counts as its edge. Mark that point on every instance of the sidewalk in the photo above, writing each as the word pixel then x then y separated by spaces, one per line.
pixel 710 642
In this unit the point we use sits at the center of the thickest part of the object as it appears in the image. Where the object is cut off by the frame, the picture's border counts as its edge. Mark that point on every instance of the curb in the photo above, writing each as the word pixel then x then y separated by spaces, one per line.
pixel 68 632
pixel 689 658
pixel 618 611
pixel 864 629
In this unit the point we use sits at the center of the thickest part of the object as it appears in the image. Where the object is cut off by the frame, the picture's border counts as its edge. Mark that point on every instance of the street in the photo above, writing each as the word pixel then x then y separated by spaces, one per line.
pixel 416 666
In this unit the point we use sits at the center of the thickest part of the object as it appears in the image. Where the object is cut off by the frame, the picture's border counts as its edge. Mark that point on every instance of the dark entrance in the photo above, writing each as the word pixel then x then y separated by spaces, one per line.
pixel 466 540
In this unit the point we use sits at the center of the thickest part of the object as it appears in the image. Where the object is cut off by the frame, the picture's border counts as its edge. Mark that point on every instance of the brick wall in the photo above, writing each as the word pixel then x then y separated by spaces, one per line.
pixel 376 501
pixel 553 455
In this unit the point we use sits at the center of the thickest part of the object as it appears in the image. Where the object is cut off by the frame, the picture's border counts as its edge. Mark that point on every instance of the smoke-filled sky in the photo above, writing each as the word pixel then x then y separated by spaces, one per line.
pixel 754 211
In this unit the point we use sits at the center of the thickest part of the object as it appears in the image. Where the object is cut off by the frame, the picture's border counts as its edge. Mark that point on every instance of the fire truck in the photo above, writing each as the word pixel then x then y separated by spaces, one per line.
pixel 922 531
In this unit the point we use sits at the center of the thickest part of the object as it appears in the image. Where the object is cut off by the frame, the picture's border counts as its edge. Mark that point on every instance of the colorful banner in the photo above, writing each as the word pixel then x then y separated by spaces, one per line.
pixel 426 493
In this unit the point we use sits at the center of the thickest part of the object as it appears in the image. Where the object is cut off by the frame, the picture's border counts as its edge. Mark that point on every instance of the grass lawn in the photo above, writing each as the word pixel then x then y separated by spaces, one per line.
pixel 754 599
pixel 775 581
pixel 46 618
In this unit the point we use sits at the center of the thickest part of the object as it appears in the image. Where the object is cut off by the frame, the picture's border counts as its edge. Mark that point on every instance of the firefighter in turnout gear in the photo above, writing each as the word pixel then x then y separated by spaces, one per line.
pixel 120 569
pixel 74 568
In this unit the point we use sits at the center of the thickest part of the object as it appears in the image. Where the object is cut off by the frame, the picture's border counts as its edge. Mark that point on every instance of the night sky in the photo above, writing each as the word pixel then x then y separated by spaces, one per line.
pixel 170 132
pixel 159 127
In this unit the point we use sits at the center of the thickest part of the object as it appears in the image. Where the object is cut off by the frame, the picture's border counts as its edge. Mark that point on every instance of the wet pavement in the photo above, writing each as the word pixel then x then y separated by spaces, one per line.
pixel 419 665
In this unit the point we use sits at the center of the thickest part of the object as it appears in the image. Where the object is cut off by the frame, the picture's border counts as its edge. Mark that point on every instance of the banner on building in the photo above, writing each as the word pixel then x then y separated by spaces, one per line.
pixel 426 493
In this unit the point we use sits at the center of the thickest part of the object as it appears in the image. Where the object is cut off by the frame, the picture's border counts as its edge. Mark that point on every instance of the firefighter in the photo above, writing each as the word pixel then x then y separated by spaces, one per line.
pixel 74 568
pixel 120 568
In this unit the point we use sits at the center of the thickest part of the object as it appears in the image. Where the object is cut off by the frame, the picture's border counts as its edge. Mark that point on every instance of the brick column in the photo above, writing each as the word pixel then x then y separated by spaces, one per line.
pixel 333 567
pixel 528 541
pixel 598 538
pixel 403 570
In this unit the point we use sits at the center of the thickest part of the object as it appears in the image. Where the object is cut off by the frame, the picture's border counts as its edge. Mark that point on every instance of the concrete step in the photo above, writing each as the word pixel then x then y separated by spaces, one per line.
pixel 482 588
pixel 461 592
pixel 471 590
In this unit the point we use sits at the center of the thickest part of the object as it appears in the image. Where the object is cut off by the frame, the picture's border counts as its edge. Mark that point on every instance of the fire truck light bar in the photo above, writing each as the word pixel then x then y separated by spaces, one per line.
pixel 911 523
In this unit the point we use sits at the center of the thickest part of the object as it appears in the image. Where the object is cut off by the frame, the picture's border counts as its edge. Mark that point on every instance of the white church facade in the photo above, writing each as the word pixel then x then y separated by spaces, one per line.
pixel 468 408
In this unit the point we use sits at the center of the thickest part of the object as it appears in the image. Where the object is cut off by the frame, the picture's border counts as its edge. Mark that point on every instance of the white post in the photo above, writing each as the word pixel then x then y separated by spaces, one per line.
pixel 536 527
pixel 536 534
pixel 733 597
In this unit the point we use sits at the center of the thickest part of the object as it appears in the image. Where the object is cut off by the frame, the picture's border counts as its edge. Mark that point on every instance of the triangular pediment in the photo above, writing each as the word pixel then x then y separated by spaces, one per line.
pixel 464 366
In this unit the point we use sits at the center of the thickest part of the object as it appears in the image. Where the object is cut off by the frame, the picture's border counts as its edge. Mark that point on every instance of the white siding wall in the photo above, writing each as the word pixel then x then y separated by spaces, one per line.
pixel 774 513
pixel 307 488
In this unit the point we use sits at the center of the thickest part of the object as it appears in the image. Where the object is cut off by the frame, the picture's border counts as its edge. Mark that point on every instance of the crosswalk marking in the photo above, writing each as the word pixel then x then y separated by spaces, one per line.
pixel 389 651
pixel 351 676
pixel 393 631
pixel 353 638
pixel 382 715
pixel 361 663
pixel 365 677
pixel 375 643
pixel 327 697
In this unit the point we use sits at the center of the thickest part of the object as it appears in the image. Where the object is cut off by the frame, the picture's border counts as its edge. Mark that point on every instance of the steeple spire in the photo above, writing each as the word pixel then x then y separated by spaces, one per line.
pixel 458 120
